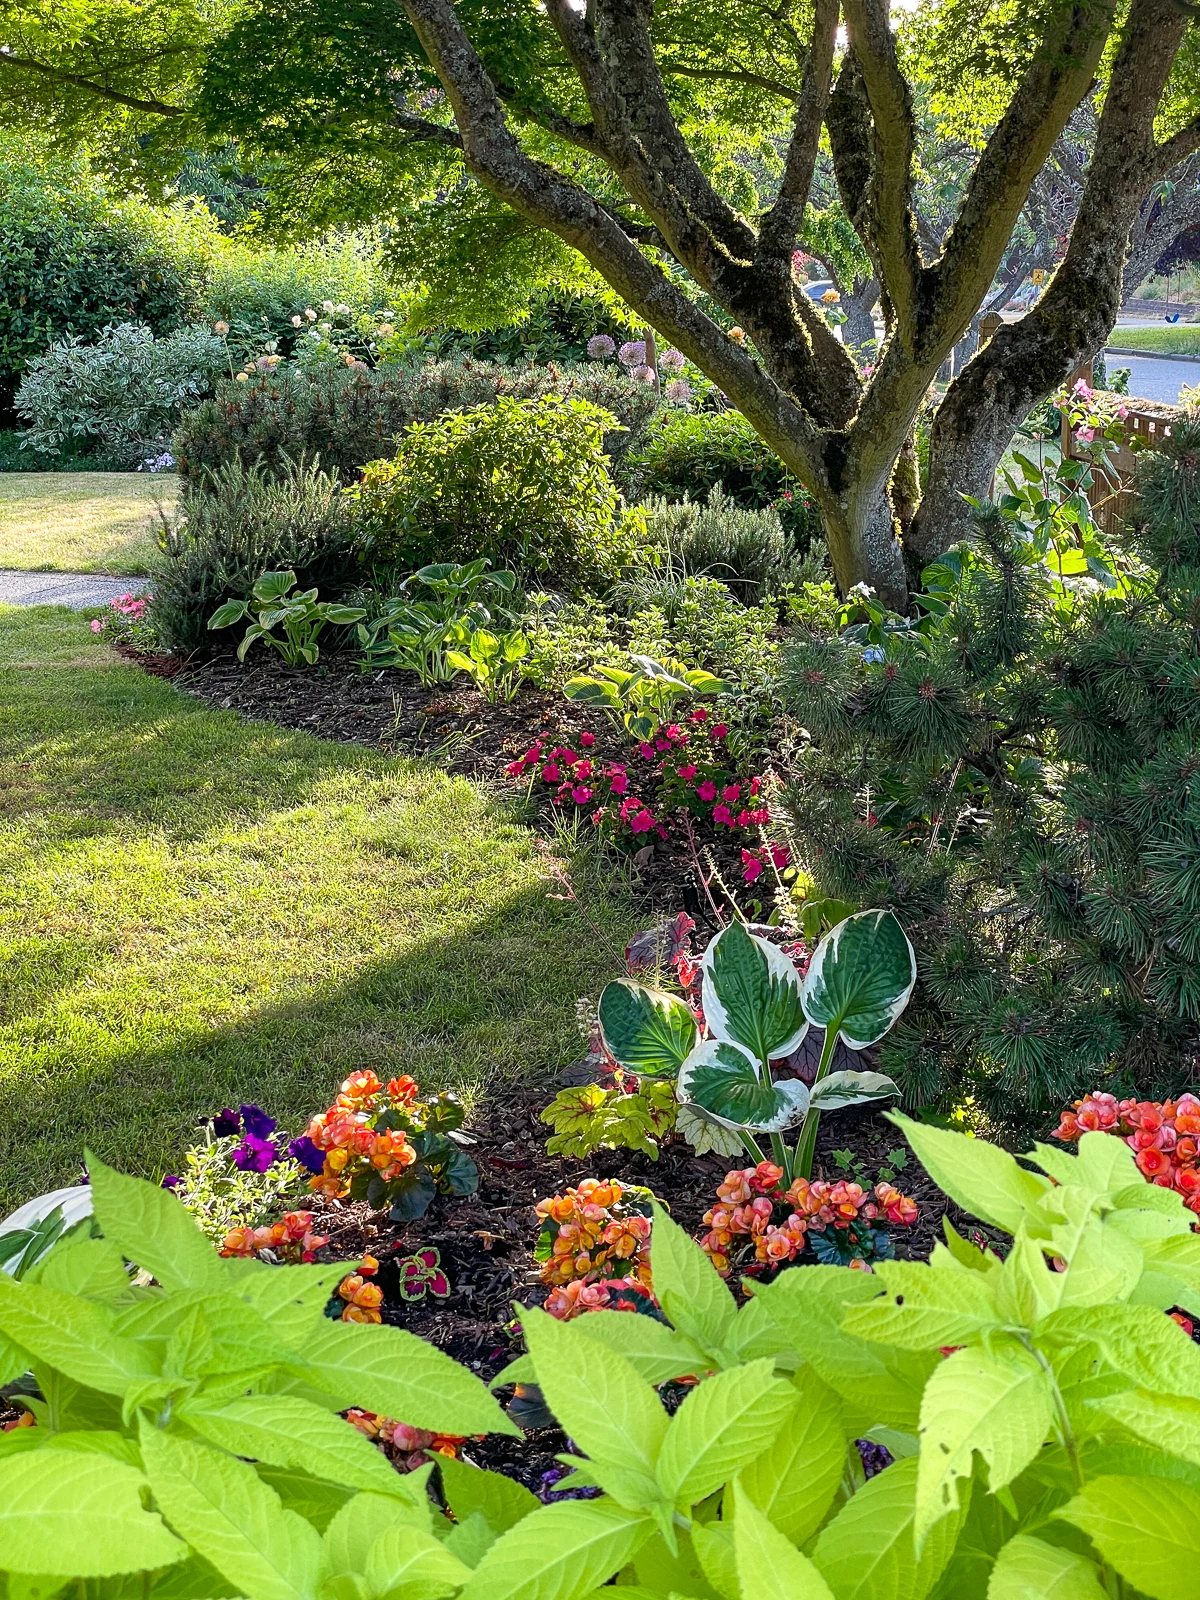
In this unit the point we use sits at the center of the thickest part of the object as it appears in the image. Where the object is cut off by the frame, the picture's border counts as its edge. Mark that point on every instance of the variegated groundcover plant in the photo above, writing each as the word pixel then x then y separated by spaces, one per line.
pixel 758 1010
pixel 1042 1412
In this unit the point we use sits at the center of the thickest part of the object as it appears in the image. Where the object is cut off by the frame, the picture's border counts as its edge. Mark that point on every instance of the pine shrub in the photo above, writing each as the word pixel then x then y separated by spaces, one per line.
pixel 1020 781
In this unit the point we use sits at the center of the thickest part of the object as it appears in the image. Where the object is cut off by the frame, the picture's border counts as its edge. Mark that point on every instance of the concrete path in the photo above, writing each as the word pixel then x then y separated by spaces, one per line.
pixel 79 591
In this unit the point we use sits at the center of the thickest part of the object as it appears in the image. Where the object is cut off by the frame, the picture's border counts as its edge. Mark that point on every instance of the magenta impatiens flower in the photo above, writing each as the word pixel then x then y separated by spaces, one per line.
pixel 751 866
pixel 619 783
pixel 707 790
pixel 642 822
pixel 581 795
pixel 587 740
pixel 550 772
pixel 723 815
pixel 780 855
pixel 687 773
pixel 731 792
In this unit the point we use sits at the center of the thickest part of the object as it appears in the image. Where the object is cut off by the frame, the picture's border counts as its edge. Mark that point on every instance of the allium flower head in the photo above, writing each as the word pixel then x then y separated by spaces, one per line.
pixel 678 391
pixel 600 346
pixel 642 373
pixel 220 329
pixel 672 360
pixel 633 353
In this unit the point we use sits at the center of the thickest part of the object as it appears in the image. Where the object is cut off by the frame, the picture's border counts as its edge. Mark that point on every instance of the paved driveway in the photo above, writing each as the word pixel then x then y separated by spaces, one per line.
pixel 80 591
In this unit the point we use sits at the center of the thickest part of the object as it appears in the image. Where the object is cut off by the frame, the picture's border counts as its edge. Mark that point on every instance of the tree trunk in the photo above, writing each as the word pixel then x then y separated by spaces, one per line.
pixel 859 327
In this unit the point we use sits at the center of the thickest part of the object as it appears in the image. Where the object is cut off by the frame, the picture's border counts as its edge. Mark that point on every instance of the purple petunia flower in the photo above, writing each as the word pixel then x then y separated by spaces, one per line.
pixel 255 1154
pixel 226 1122
pixel 256 1121
pixel 171 1181
pixel 306 1153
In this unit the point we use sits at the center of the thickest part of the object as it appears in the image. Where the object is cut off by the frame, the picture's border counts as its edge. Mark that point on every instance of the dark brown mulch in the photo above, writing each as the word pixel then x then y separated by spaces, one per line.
pixel 486 1242
pixel 455 726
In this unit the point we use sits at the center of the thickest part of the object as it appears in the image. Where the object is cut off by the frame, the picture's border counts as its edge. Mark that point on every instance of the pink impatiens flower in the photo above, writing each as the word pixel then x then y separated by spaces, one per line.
pixel 707 790
pixel 780 855
pixel 581 795
pixel 587 740
pixel 550 772
pixel 642 822
pixel 730 793
pixel 619 783
pixel 722 814
pixel 751 866
pixel 718 730
pixel 687 773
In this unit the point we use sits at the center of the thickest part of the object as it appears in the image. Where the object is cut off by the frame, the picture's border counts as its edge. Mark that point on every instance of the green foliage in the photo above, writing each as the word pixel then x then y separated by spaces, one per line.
pixel 348 417
pixel 744 548
pixel 494 662
pixel 758 1010
pixel 594 1117
pixel 1016 777
pixel 436 609
pixel 222 1196
pixel 522 482
pixel 234 524
pixel 638 699
pixel 556 328
pixel 124 393
pixel 687 453
pixel 301 618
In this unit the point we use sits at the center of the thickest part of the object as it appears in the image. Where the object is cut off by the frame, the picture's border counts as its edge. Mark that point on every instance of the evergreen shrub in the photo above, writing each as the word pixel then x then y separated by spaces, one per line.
pixel 744 548
pixel 1019 779
pixel 236 523
pixel 523 482
pixel 349 416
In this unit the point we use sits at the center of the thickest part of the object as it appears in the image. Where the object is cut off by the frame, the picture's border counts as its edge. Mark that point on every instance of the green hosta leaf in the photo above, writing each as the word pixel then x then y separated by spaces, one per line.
pixel 592 692
pixel 360 1521
pixel 840 1089
pixel 153 1230
pixel 705 1136
pixel 868 1549
pixel 291 1300
pixel 993 1403
pixel 74 1515
pixel 655 1352
pixel 597 1396
pixel 274 585
pixel 924 1309
pixel 1168 1421
pixel 725 1082
pixel 980 1177
pixel 794 1481
pixel 648 1032
pixel 559 1553
pixel 689 1288
pixel 408 1564
pixel 502 1501
pixel 769 1567
pixel 393 1372
pixel 74 1336
pixel 287 1432
pixel 232 611
pixel 231 1518
pixel 860 978
pixel 720 1428
pixel 1148 1529
pixel 751 994
pixel 1030 1569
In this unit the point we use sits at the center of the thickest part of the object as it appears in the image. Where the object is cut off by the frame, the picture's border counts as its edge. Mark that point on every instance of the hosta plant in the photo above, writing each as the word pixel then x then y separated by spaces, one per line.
pixel 639 700
pixel 493 661
pixel 1041 1414
pixel 379 1143
pixel 757 1010
pixel 300 618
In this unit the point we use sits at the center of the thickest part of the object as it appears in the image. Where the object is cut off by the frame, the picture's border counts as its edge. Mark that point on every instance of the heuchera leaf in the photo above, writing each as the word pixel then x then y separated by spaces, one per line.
pixel 648 1032
pixel 723 1080
pixel 751 994
pixel 78 1515
pixel 860 978
pixel 1147 1528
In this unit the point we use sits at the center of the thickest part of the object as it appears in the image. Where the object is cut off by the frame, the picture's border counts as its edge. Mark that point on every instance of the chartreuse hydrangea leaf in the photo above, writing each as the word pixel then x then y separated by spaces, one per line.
pixel 1030 1569
pixel 751 994
pixel 650 1033
pixel 713 1544
pixel 561 1552
pixel 153 1230
pixel 291 1299
pixel 395 1373
pixel 501 1500
pixel 230 1517
pixel 868 1550
pixel 689 1288
pixel 94 1269
pixel 860 978
pixel 285 1431
pixel 995 1403
pixel 980 1177
pixel 1171 1268
pixel 315 1499
pixel 726 1083
pixel 1151 1350
pixel 74 1336
pixel 606 1408
pixel 656 1352
pixel 794 1480
pixel 720 1428
pixel 1169 1421
pixel 68 1514
pixel 1147 1528
pixel 923 1309
pixel 769 1567
pixel 351 1530
pixel 409 1564
pixel 13 1360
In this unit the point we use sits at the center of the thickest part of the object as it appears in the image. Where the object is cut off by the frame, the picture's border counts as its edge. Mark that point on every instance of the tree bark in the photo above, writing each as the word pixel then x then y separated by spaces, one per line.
pixel 859 305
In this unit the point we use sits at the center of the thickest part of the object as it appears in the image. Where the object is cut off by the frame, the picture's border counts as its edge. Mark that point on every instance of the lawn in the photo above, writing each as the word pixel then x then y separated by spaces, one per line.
pixel 1168 340
pixel 197 911
pixel 82 521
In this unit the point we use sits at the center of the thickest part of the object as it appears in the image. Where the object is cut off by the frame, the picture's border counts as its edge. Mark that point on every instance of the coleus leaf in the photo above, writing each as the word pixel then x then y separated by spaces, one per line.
pixel 723 1080
pixel 648 1032
pixel 751 994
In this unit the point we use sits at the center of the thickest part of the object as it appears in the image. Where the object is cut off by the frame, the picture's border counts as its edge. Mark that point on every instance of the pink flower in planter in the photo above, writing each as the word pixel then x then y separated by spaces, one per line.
pixel 619 783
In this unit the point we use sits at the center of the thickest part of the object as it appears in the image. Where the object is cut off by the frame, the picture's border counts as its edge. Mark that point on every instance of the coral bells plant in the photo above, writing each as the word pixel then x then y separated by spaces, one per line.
pixel 759 1226
pixel 379 1143
pixel 290 1239
pixel 593 1229
pixel 1164 1136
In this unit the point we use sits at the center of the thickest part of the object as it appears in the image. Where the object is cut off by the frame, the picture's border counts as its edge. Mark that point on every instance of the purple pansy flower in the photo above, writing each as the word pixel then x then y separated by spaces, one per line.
pixel 306 1153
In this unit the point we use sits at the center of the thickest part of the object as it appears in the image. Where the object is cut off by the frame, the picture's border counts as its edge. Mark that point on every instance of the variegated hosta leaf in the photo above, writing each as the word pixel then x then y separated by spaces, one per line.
pixel 860 978
pixel 751 994
pixel 704 1135
pixel 647 1031
pixel 851 1089
pixel 723 1080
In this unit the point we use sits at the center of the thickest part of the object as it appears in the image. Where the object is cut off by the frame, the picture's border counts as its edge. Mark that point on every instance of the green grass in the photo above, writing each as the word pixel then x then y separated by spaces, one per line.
pixel 82 521
pixel 196 911
pixel 1170 340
